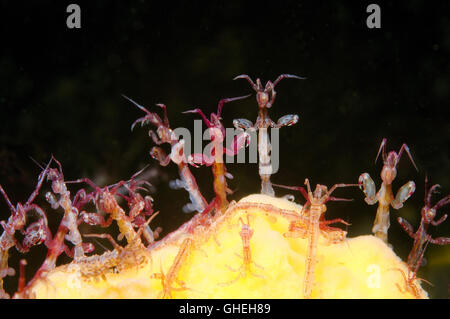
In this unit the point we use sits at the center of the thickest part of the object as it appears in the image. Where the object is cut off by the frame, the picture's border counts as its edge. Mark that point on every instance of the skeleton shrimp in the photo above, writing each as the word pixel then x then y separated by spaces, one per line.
pixel 421 237
pixel 263 122
pixel 246 234
pixel 36 233
pixel 215 158
pixel 171 277
pixel 384 196
pixel 104 199
pixel 164 134
pixel 316 203
pixel 410 285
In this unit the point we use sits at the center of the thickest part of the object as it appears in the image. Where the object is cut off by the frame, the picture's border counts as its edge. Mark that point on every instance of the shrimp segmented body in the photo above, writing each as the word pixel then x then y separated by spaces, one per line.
pixel 246 234
pixel 164 134
pixel 265 97
pixel 314 209
pixel 384 196
pixel 421 236
pixel 215 157
pixel 168 279
pixel 410 280
pixel 33 233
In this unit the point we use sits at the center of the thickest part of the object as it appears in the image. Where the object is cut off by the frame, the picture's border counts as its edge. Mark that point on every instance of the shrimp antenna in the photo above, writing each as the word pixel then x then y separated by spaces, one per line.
pixel 35 162
pixel 382 147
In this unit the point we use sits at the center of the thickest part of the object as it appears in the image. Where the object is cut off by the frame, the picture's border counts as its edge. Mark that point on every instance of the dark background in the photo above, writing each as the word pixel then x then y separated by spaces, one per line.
pixel 60 93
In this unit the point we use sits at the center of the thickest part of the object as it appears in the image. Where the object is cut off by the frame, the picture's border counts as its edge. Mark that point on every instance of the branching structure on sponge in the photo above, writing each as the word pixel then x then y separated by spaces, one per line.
pixel 384 196
pixel 265 98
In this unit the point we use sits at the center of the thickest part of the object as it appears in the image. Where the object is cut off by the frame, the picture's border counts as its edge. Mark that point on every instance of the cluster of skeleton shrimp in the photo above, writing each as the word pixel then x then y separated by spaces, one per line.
pixel 28 225
pixel 315 205
pixel 385 198
pixel 265 97
pixel 96 205
pixel 214 158
pixel 30 220
pixel 164 134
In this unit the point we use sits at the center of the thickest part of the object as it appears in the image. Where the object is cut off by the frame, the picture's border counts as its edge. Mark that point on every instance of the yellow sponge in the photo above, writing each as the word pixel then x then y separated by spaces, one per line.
pixel 209 261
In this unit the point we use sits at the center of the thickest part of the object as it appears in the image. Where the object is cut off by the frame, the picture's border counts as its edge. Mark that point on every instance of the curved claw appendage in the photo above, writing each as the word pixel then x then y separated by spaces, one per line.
pixel 246 77
pixel 406 226
pixel 158 154
pixel 199 159
pixel 142 120
pixel 243 124
pixel 287 76
pixel 200 112
pixel 403 194
pixel 164 108
pixel 287 120
pixel 439 221
pixel 367 185
pixel 227 100
pixel 240 141
pixel 289 197
pixel 51 199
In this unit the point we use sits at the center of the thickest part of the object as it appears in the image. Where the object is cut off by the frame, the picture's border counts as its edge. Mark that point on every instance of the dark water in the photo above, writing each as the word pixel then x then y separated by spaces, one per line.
pixel 60 93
